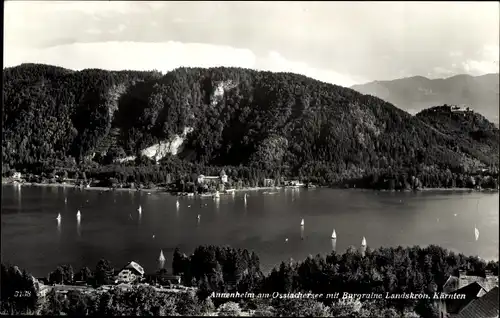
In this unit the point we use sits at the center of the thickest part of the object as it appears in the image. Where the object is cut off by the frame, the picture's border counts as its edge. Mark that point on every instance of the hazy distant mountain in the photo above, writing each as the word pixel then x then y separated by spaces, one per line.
pixel 414 94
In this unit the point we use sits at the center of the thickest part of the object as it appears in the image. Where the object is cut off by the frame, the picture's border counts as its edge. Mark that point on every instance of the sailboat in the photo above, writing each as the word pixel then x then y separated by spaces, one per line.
pixel 245 198
pixel 363 242
pixel 177 204
pixel 334 235
pixel 78 214
pixel 476 232
pixel 162 257
pixel 302 222
pixel 140 209
pixel 58 217
pixel 216 195
pixel 199 216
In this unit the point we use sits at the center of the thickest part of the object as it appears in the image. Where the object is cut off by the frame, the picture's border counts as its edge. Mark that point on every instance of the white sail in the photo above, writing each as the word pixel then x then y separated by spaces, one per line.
pixel 177 204
pixel 58 217
pixel 476 233
pixel 162 257
pixel 199 216
pixel 216 195
pixel 78 214
pixel 363 242
pixel 334 235
pixel 140 209
pixel 302 222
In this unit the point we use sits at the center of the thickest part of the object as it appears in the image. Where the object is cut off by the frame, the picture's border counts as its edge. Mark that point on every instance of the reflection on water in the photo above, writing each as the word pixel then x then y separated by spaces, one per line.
pixel 217 203
pixel 79 227
pixel 58 227
pixel 262 227
pixel 161 264
pixel 362 250
pixel 334 245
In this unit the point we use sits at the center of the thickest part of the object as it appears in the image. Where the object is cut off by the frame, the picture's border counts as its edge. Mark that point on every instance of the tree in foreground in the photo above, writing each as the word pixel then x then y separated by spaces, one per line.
pixel 229 309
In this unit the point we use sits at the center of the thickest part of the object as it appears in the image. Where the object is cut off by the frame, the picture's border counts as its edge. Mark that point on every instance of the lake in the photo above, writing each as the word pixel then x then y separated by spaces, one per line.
pixel 112 228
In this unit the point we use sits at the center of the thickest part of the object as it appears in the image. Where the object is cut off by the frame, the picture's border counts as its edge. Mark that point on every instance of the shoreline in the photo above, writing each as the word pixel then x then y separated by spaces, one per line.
pixel 107 189
pixel 163 190
pixel 68 185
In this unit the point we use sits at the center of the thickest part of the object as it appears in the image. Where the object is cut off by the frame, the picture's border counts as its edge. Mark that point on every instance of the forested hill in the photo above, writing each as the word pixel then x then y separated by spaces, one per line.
pixel 276 122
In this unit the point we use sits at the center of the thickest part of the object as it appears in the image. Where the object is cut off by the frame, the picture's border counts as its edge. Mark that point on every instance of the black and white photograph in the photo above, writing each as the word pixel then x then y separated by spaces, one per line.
pixel 250 158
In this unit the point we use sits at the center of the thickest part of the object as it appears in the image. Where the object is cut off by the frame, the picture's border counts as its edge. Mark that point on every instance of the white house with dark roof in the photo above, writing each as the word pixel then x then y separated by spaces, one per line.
pixel 131 273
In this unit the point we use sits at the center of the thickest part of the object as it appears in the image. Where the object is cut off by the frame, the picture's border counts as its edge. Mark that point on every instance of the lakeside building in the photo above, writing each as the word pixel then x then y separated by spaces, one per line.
pixel 268 182
pixel 222 178
pixel 131 273
pixel 479 293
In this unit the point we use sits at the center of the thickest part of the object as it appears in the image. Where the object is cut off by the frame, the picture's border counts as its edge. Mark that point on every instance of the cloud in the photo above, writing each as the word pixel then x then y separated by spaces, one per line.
pixel 456 54
pixel 487 64
pixel 119 29
pixel 164 57
pixel 94 31
pixel 369 40
pixel 277 63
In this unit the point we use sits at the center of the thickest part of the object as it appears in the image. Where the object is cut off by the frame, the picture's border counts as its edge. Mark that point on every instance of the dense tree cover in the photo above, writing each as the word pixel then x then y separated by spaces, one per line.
pixel 393 270
pixel 102 275
pixel 275 124
pixel 224 269
pixel 18 291
pixel 478 137
pixel 53 113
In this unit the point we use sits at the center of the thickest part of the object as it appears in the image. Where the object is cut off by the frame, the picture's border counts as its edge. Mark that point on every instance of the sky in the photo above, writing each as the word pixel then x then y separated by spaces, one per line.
pixel 343 43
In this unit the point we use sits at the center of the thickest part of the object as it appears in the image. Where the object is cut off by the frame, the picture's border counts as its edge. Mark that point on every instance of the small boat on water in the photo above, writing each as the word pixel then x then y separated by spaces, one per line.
pixel 216 195
pixel 363 242
pixel 177 204
pixel 476 233
pixel 302 222
pixel 162 257
pixel 140 209
pixel 58 218
pixel 199 217
pixel 334 235
pixel 78 214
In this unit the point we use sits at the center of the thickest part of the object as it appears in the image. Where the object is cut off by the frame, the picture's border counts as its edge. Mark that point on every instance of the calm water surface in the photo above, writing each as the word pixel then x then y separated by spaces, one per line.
pixel 112 228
